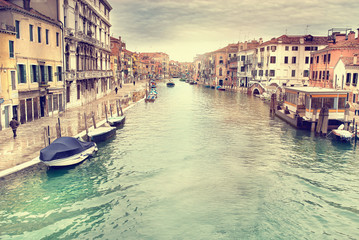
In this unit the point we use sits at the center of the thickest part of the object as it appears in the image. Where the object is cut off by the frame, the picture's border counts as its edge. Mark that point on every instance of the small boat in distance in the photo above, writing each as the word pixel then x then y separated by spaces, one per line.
pixel 220 88
pixel 66 151
pixel 170 84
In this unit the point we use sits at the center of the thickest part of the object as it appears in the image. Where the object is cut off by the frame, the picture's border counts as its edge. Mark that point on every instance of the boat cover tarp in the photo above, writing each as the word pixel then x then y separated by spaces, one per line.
pixel 64 147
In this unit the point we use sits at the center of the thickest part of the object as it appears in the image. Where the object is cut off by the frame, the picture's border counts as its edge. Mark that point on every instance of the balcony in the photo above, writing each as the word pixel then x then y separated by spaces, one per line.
pixel 94 74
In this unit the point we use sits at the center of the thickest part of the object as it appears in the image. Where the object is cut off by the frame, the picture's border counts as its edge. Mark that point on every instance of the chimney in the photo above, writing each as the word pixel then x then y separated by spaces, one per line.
pixel 355 59
pixel 26 5
pixel 351 35
pixel 358 34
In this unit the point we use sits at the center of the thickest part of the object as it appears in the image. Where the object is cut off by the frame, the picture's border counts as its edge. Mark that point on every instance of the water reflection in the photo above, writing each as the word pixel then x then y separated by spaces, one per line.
pixel 195 164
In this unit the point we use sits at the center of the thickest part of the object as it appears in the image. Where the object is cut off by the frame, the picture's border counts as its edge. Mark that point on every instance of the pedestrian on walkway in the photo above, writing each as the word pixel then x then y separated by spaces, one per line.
pixel 116 89
pixel 14 124
pixel 134 83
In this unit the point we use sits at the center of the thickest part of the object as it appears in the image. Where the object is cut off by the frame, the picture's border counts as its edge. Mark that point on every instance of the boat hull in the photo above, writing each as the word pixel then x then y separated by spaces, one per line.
pixel 72 160
pixel 102 134
pixel 117 122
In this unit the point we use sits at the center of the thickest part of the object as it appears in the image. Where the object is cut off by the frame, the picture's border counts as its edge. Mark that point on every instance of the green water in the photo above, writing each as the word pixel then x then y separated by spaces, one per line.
pixel 195 164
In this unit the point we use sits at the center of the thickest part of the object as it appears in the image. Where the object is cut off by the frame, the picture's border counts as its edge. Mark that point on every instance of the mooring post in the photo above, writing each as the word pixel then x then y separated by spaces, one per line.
pixel 48 134
pixel 58 119
pixel 93 120
pixel 87 131
pixel 346 117
pixel 120 107
pixel 356 133
pixel 118 113
pixel 45 136
pixel 314 119
pixel 111 109
pixel 106 112
pixel 57 130
pixel 325 121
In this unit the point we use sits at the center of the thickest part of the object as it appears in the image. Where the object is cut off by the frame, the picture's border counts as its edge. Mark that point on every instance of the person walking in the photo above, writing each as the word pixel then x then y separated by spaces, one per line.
pixel 14 124
pixel 116 89
pixel 134 83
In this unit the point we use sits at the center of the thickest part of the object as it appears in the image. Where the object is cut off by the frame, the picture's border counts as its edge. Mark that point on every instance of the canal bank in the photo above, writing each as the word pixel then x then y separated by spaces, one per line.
pixel 21 152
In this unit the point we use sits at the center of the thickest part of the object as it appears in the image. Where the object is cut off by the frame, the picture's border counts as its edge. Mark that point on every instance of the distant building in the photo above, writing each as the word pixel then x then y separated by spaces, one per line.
pixel 286 60
pixel 346 72
pixel 323 61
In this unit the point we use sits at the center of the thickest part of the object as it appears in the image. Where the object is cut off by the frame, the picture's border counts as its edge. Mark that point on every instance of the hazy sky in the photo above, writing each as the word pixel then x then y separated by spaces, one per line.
pixel 183 28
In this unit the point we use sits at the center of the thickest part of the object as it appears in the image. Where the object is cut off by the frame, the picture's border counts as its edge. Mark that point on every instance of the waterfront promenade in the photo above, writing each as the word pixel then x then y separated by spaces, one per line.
pixel 30 136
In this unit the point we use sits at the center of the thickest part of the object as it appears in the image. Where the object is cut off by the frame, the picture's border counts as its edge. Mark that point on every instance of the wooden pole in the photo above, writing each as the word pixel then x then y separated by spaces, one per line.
pixel 87 131
pixel 45 136
pixel 118 111
pixel 93 120
pixel 48 134
pixel 111 109
pixel 106 112
pixel 314 119
pixel 58 119
pixel 57 130
pixel 120 107
pixel 356 132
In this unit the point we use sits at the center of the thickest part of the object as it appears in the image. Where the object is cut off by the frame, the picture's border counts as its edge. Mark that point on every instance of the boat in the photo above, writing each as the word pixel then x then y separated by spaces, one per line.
pixel 182 79
pixel 170 84
pixel 116 121
pixel 341 134
pixel 101 134
pixel 220 88
pixel 302 105
pixel 207 86
pixel 67 151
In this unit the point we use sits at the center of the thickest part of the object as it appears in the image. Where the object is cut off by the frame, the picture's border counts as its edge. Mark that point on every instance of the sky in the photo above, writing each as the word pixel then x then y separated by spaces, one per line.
pixel 184 28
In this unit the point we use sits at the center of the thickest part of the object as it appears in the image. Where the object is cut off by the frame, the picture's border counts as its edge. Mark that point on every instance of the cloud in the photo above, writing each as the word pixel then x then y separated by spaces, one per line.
pixel 198 24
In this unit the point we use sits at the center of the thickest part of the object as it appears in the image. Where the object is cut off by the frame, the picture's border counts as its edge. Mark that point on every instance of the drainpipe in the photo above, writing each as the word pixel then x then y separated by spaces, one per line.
pixel 63 58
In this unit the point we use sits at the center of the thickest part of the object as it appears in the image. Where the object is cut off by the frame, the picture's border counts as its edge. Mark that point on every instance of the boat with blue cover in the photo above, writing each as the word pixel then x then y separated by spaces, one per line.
pixel 66 151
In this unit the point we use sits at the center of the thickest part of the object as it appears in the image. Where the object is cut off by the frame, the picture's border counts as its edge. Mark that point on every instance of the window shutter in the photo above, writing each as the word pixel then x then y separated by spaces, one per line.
pixel 24 73
pixel 46 75
pixel 18 74
pixel 31 73
pixel 37 73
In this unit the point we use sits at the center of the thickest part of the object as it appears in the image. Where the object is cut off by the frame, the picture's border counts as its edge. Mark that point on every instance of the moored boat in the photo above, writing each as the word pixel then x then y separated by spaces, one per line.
pixel 67 151
pixel 220 88
pixel 170 84
pixel 118 121
pixel 342 135
pixel 101 134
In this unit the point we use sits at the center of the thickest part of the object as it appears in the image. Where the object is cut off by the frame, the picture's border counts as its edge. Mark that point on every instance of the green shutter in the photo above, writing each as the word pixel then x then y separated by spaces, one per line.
pixel 31 73
pixel 18 74
pixel 37 73
pixel 46 75
pixel 24 73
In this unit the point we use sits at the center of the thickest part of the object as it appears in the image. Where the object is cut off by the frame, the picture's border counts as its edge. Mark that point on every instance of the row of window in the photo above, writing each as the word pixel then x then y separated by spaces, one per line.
pixel 320 75
pixel 349 79
pixel 294 48
pixel 38 73
pixel 272 73
pixel 39 34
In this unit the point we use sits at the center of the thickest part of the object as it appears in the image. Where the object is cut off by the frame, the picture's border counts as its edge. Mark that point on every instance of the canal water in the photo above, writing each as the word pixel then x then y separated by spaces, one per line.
pixel 195 164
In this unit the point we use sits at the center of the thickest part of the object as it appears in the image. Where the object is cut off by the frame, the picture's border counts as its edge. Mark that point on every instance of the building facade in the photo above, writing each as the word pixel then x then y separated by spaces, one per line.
pixel 35 57
pixel 87 51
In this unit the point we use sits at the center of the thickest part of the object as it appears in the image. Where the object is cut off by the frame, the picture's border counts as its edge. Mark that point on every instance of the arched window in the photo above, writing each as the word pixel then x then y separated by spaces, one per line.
pixel 220 72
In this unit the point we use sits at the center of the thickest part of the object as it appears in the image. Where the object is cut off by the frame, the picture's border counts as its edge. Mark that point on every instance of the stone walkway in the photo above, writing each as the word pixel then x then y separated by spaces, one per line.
pixel 31 136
